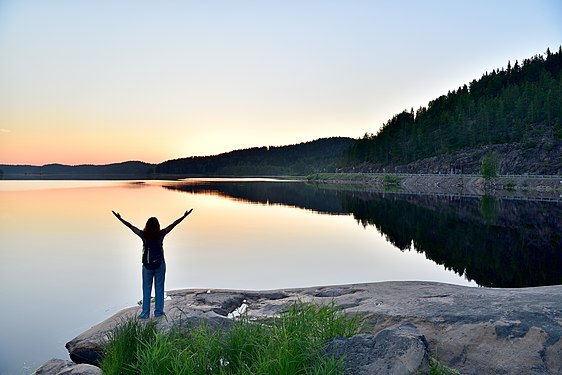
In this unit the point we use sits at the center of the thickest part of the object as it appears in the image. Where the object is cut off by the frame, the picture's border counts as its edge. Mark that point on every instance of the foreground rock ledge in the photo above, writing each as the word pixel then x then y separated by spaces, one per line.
pixel 474 330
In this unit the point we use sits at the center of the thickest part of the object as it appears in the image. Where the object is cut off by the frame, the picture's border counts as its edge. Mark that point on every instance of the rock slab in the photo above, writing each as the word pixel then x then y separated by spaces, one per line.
pixel 473 330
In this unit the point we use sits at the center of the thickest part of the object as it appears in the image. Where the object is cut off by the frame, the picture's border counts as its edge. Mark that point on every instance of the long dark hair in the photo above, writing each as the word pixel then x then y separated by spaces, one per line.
pixel 152 229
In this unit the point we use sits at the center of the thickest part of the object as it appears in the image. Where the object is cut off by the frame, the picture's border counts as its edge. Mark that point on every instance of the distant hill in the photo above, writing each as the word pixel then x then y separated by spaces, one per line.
pixel 515 112
pixel 321 155
pixel 124 170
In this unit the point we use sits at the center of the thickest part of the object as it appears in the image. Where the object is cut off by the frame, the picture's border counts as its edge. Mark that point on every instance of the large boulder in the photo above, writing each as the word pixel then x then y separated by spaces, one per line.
pixel 397 350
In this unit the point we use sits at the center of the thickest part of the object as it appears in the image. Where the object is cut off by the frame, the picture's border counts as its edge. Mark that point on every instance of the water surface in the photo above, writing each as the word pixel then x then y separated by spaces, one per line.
pixel 68 263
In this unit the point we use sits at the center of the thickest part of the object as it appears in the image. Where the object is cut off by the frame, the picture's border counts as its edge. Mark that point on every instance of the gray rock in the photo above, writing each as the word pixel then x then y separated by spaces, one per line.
pixel 473 330
pixel 61 367
pixel 87 347
pixel 398 350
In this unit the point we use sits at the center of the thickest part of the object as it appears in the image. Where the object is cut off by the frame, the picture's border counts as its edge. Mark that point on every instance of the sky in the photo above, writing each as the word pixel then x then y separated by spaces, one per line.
pixel 102 81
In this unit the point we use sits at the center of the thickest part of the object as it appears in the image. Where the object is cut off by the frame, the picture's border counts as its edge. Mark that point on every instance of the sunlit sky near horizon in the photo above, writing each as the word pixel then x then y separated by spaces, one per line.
pixel 108 81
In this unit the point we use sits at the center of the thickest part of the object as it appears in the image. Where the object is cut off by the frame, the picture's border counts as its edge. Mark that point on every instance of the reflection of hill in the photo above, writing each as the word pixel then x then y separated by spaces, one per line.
pixel 294 194
pixel 497 243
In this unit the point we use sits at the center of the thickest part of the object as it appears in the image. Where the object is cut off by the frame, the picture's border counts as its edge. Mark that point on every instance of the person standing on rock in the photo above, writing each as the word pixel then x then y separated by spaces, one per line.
pixel 153 264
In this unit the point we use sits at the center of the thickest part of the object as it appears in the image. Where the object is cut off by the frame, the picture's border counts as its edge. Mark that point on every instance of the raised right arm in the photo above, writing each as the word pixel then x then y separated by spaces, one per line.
pixel 135 230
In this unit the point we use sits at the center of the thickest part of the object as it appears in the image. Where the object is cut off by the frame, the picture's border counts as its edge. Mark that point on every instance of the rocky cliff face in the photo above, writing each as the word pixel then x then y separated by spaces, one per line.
pixel 540 157
pixel 474 330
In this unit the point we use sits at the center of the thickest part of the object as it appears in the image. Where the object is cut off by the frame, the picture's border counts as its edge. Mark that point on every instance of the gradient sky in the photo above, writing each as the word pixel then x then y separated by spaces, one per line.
pixel 107 81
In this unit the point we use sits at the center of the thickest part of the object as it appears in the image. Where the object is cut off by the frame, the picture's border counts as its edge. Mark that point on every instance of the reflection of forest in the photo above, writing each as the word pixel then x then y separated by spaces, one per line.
pixel 294 194
pixel 497 243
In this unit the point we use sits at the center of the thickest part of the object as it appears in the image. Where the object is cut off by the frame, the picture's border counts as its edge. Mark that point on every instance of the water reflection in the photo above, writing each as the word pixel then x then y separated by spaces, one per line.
pixel 496 243
pixel 489 208
pixel 293 194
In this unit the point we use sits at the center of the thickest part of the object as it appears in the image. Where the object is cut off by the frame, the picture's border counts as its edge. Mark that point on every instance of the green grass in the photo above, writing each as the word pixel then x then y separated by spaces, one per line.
pixel 292 343
pixel 391 180
pixel 509 185
pixel 438 368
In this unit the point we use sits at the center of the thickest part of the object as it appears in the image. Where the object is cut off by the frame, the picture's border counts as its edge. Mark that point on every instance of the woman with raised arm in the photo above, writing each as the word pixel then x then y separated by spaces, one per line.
pixel 153 264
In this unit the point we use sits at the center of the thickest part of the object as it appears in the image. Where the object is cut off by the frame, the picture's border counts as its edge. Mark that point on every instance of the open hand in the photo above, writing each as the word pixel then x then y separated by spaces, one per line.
pixel 187 212
pixel 116 214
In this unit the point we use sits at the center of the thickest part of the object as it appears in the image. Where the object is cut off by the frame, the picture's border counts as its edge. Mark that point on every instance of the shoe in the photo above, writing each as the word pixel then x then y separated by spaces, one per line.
pixel 143 316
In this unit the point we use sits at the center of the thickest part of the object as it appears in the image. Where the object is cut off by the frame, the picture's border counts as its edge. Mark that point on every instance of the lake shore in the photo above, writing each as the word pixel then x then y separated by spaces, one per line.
pixel 506 187
pixel 474 330
pixel 546 188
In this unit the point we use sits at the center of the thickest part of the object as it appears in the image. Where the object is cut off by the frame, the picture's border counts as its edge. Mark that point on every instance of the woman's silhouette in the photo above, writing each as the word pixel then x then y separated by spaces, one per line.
pixel 154 266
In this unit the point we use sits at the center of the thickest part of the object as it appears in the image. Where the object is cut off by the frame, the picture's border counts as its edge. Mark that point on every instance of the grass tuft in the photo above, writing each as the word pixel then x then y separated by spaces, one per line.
pixel 292 343
pixel 438 368
pixel 123 344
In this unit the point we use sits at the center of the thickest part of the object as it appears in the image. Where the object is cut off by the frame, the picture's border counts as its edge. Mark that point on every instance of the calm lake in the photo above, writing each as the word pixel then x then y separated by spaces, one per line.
pixel 67 263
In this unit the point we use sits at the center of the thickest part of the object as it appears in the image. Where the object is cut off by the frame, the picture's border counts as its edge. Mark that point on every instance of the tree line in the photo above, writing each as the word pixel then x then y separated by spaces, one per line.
pixel 518 104
pixel 321 155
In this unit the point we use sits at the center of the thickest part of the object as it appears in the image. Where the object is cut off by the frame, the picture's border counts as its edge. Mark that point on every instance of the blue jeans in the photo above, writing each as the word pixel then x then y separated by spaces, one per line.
pixel 158 275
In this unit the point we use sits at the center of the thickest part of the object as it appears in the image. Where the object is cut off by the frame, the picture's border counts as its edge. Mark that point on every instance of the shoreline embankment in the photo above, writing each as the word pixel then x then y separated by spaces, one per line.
pixel 522 187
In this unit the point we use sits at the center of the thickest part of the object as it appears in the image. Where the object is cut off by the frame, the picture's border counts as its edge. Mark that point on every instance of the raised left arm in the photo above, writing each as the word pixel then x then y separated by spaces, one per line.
pixel 173 225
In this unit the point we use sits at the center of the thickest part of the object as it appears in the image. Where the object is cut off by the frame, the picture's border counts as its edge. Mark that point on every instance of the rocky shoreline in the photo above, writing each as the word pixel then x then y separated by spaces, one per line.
pixel 541 155
pixel 473 330
pixel 505 187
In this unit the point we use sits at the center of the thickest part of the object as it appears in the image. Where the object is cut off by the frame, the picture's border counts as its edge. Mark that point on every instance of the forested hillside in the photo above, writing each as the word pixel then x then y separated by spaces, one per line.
pixel 515 111
pixel 320 155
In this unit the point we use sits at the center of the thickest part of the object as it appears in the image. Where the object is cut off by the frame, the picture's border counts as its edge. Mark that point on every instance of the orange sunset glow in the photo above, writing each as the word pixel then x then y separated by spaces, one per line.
pixel 101 82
